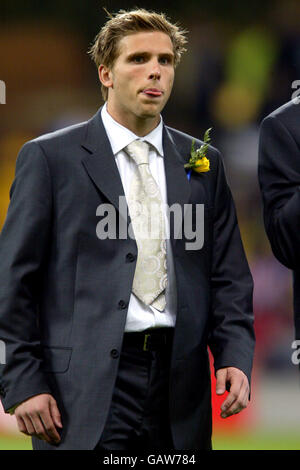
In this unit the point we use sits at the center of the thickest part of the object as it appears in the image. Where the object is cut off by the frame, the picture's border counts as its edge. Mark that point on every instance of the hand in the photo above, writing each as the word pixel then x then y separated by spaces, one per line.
pixel 39 416
pixel 238 396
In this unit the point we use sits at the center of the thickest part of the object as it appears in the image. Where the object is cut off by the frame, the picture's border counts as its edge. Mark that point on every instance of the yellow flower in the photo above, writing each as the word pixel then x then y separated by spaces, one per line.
pixel 201 165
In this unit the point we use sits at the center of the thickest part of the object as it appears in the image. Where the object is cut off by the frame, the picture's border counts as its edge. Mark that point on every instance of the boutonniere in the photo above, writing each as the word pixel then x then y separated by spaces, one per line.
pixel 198 160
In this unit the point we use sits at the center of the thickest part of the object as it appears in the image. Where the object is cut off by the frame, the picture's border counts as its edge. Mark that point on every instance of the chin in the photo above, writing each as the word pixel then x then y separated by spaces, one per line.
pixel 150 112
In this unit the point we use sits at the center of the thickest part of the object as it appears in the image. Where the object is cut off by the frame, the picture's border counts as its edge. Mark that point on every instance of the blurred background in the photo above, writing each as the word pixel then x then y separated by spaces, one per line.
pixel 241 62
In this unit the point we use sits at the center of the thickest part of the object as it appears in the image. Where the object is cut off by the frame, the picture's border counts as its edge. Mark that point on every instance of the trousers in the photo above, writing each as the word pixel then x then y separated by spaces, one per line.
pixel 138 419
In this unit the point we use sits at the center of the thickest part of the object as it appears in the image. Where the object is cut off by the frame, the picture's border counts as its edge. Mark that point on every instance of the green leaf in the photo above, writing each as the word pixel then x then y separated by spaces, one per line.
pixel 206 135
pixel 200 152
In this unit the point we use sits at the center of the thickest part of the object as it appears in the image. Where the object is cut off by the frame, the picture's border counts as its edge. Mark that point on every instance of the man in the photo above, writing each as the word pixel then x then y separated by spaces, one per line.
pixel 107 336
pixel 279 178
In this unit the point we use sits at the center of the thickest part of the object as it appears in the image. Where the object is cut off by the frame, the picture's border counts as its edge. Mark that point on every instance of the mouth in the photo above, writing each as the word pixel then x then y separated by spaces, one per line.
pixel 152 92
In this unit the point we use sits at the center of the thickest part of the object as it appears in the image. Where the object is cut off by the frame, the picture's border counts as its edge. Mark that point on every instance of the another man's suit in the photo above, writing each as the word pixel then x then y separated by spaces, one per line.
pixel 279 178
pixel 64 292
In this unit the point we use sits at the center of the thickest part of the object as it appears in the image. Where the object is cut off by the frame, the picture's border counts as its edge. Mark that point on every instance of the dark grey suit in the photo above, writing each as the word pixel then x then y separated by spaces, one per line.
pixel 279 178
pixel 64 293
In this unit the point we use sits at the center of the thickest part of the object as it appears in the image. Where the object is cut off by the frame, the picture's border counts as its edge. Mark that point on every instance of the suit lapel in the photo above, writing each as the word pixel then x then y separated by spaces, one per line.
pixel 100 162
pixel 178 187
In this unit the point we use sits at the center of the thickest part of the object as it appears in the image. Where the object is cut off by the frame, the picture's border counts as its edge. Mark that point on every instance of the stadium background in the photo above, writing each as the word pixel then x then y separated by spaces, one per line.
pixel 241 63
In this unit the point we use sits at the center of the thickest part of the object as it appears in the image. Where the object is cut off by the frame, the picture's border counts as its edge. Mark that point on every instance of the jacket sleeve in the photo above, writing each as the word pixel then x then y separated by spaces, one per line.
pixel 232 337
pixel 23 246
pixel 279 179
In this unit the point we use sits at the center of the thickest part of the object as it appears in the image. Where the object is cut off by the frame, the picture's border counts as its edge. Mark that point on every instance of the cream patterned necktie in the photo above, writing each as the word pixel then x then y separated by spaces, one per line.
pixel 145 208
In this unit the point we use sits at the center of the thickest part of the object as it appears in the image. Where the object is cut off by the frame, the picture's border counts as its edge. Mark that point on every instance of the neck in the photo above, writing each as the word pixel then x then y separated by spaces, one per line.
pixel 140 126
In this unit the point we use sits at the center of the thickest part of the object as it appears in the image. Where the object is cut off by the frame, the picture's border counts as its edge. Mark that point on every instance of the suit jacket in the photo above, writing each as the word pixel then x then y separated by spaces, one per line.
pixel 64 293
pixel 279 178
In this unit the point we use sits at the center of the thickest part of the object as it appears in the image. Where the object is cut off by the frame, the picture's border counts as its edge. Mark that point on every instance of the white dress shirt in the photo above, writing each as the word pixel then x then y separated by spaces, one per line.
pixel 140 316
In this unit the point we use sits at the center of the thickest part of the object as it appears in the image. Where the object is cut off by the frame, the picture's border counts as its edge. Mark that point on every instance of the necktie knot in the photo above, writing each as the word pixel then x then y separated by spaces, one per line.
pixel 138 151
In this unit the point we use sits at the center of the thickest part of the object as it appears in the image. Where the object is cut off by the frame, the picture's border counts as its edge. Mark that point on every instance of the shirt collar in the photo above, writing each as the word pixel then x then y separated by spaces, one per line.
pixel 119 136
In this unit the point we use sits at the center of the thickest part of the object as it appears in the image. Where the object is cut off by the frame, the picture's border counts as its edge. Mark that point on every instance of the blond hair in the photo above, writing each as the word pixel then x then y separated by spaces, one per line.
pixel 105 49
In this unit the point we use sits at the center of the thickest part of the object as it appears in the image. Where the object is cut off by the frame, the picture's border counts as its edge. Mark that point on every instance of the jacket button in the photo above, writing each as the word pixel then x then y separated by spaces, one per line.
pixel 130 257
pixel 122 304
pixel 114 353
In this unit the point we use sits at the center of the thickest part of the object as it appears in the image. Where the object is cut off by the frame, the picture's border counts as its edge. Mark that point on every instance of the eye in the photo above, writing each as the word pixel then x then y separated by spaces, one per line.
pixel 165 60
pixel 138 59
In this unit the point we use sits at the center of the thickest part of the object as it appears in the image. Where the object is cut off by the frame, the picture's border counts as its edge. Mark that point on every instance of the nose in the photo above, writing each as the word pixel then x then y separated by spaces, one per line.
pixel 155 71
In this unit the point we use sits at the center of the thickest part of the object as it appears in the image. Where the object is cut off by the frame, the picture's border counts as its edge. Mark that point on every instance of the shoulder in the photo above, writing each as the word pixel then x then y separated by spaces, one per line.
pixel 287 115
pixel 62 136
pixel 184 141
pixel 56 146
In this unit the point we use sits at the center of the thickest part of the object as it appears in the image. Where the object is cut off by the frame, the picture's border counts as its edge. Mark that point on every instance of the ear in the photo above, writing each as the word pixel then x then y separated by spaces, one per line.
pixel 105 76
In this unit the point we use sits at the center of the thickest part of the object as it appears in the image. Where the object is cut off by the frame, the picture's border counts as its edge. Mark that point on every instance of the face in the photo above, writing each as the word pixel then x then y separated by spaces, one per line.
pixel 141 79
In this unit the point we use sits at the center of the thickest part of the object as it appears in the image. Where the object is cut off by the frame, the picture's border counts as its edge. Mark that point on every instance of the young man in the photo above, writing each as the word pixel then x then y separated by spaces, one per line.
pixel 107 336
pixel 279 178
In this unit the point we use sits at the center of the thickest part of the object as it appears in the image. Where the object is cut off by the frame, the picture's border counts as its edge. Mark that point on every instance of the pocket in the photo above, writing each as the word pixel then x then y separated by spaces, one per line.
pixel 56 359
